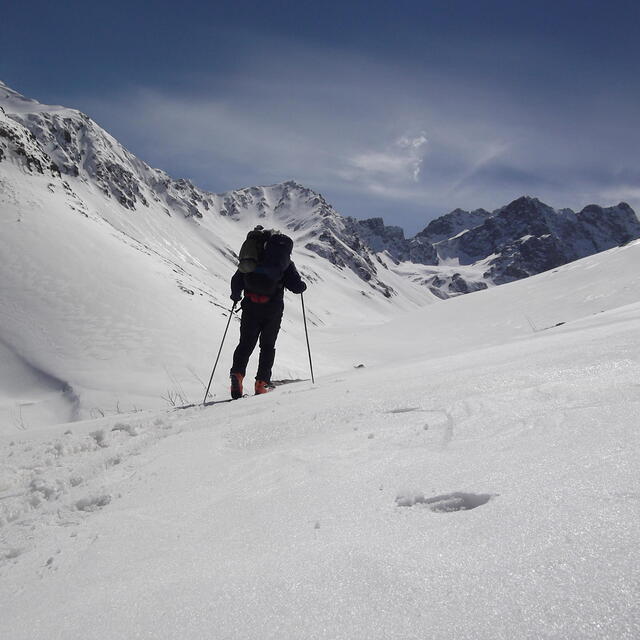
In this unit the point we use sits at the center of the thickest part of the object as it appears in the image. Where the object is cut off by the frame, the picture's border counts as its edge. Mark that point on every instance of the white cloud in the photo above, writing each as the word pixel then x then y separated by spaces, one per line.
pixel 401 161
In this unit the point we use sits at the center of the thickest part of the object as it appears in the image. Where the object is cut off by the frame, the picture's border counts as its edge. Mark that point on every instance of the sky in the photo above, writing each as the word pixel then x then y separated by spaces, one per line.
pixel 404 110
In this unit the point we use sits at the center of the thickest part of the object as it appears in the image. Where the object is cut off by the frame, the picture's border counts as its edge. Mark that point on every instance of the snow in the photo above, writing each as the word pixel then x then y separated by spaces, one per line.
pixel 14 102
pixel 475 479
pixel 461 469
pixel 124 309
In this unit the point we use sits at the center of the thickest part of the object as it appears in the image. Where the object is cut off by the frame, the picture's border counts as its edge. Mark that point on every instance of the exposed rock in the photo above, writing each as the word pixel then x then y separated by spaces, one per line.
pixel 17 144
pixel 452 224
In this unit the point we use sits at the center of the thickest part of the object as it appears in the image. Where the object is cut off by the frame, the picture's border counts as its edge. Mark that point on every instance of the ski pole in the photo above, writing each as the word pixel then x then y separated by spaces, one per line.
pixel 306 333
pixel 219 352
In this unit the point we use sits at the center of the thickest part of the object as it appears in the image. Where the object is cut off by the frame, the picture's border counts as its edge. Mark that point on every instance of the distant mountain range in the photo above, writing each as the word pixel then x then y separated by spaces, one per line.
pixel 460 252
pixel 518 240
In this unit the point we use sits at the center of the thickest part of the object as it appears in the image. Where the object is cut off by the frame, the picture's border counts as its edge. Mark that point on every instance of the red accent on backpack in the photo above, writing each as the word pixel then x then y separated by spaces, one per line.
pixel 257 298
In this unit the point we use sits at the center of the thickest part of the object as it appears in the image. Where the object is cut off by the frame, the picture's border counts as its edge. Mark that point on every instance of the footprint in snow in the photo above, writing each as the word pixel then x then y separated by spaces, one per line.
pixel 93 503
pixel 445 503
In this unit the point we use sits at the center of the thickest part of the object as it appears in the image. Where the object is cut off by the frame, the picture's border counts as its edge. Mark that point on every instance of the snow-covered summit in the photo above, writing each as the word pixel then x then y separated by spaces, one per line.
pixel 81 149
pixel 15 103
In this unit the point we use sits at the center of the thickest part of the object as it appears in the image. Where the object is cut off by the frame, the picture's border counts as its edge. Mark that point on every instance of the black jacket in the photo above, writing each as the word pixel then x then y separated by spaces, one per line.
pixel 291 280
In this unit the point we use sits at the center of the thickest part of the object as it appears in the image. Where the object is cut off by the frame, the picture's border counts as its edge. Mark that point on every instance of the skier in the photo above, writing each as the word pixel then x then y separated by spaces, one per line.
pixel 261 315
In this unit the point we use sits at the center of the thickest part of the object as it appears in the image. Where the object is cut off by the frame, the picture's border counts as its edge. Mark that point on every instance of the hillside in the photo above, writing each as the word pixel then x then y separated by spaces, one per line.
pixel 116 275
pixel 476 479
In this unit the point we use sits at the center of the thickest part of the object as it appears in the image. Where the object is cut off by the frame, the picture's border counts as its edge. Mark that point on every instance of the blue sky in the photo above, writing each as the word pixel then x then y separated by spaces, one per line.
pixel 401 109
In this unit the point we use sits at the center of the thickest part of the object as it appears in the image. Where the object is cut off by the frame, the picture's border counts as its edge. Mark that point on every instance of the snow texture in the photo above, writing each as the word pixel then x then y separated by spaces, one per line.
pixel 498 496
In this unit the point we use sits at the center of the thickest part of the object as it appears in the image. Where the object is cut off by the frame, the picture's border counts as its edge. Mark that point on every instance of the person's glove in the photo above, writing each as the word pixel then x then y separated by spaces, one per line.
pixel 304 287
pixel 236 297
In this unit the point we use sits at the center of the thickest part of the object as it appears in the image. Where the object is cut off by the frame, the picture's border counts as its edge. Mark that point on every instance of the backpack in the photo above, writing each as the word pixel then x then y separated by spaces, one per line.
pixel 270 255
pixel 252 249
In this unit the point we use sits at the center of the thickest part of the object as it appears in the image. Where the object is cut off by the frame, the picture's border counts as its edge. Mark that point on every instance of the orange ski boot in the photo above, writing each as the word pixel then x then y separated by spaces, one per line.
pixel 263 387
pixel 236 385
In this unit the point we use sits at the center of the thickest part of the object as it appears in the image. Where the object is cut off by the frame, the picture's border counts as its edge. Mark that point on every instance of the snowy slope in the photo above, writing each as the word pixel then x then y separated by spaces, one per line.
pixel 476 479
pixel 116 277
pixel 515 311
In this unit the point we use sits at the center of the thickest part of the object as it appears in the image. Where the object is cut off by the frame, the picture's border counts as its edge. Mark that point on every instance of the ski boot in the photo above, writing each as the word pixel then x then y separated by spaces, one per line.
pixel 263 387
pixel 236 385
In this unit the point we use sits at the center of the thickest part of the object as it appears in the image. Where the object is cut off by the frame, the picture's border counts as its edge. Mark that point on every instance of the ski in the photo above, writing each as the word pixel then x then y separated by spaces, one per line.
pixel 212 403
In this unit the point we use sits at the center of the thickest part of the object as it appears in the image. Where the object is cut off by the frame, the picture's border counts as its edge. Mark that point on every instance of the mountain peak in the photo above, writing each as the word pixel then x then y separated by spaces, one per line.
pixel 293 184
pixel 525 206
pixel 9 96
pixel 526 199
pixel 14 102
pixel 452 223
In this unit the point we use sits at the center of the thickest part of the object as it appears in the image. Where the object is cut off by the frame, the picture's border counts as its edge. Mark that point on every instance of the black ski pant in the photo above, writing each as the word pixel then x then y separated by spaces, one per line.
pixel 258 321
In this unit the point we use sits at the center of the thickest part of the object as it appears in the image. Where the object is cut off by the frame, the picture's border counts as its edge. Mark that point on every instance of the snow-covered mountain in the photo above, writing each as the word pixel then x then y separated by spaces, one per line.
pixel 112 264
pixel 523 238
pixel 518 240
pixel 109 261
pixel 70 145
pixel 465 469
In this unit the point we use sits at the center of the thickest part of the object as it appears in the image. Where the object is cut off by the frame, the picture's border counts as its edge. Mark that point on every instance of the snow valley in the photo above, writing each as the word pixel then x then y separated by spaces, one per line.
pixel 117 275
pixel 476 478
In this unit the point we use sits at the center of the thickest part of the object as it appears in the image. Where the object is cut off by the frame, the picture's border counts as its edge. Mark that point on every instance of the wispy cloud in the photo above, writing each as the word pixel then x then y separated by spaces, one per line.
pixel 485 158
pixel 400 161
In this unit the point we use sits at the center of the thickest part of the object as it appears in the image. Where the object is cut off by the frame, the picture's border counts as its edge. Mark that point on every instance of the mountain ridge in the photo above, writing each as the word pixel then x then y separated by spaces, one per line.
pixel 517 240
pixel 520 239
pixel 111 265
